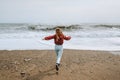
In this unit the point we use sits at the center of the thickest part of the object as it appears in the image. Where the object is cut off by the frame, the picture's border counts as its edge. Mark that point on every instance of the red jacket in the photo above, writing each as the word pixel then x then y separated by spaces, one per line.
pixel 61 39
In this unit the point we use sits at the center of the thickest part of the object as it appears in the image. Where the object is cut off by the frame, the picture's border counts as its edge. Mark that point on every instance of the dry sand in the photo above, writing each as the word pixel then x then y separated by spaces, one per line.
pixel 75 65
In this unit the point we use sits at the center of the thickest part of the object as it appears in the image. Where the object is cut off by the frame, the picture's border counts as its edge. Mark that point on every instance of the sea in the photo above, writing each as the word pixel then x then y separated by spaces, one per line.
pixel 28 36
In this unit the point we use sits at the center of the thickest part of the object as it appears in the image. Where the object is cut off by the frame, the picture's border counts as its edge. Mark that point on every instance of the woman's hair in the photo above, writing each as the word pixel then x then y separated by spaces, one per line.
pixel 58 33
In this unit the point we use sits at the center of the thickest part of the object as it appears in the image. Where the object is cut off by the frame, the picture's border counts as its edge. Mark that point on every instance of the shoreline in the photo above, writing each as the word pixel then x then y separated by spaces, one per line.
pixel 115 52
pixel 75 65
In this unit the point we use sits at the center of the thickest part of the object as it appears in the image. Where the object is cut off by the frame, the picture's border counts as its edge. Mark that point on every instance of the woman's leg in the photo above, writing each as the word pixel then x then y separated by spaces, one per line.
pixel 59 52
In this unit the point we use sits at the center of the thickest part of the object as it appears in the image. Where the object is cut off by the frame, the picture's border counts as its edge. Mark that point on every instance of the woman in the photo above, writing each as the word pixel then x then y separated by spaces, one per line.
pixel 59 38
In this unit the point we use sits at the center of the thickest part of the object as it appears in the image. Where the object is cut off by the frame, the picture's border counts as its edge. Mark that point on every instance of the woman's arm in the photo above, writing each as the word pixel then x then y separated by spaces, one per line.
pixel 67 37
pixel 49 37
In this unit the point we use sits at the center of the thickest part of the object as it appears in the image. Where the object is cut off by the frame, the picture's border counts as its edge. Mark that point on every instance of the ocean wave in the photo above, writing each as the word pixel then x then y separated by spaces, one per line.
pixel 38 27
pixel 71 27
pixel 108 26
pixel 77 31
pixel 49 28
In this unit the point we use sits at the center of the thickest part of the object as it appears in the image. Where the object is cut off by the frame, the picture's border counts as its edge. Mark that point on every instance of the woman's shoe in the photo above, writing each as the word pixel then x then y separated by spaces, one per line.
pixel 57 67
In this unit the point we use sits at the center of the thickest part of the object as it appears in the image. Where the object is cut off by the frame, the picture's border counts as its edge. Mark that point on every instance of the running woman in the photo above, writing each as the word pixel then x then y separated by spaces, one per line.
pixel 59 38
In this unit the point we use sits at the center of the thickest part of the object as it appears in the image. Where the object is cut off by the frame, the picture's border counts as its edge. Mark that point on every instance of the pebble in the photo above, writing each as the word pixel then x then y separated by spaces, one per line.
pixel 22 74
pixel 27 59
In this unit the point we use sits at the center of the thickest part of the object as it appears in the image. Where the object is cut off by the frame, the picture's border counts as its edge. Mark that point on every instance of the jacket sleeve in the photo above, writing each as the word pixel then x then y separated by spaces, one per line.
pixel 67 37
pixel 49 37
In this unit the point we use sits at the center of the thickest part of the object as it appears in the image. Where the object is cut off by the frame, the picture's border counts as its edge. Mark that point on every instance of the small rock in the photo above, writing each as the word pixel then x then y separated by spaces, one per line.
pixel 91 72
pixel 115 64
pixel 5 67
pixel 16 63
pixel 109 57
pixel 27 59
pixel 22 74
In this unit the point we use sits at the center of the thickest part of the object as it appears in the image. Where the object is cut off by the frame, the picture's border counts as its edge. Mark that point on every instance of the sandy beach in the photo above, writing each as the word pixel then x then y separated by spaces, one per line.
pixel 75 65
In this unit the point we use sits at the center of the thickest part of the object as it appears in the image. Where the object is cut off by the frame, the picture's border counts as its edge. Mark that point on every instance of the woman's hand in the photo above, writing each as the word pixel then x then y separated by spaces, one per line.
pixel 43 39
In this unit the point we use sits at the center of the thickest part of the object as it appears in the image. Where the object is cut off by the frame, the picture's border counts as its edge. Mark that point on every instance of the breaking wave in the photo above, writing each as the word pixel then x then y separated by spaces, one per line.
pixel 39 27
pixel 86 30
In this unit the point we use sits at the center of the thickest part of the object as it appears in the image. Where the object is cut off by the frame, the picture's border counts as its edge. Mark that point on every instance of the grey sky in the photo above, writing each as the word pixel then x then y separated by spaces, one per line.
pixel 60 11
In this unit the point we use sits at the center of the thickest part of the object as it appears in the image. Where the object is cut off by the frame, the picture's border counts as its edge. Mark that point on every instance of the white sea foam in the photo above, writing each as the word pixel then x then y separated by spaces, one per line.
pixel 82 44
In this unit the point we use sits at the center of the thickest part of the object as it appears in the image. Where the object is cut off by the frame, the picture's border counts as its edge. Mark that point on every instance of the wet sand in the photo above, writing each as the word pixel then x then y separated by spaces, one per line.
pixel 75 65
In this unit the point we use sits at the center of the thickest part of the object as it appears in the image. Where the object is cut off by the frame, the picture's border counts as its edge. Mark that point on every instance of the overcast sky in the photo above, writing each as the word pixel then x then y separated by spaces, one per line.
pixel 60 11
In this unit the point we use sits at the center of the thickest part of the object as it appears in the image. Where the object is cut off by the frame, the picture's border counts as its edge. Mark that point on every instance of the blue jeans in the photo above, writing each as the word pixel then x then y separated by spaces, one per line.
pixel 59 52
